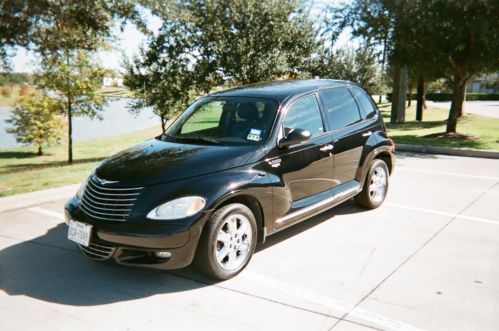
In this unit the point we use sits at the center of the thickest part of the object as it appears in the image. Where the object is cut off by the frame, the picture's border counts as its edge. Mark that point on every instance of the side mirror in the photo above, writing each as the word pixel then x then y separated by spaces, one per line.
pixel 295 137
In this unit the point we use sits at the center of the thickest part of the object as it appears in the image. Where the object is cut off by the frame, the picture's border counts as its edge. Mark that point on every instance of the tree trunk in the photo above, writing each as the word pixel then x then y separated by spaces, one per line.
pixel 409 99
pixel 421 99
pixel 456 107
pixel 40 152
pixel 163 123
pixel 70 132
pixel 70 115
pixel 399 94
pixel 380 98
pixel 461 110
pixel 395 94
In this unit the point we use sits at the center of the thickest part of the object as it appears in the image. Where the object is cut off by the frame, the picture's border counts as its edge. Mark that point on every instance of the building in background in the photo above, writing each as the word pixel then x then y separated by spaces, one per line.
pixel 485 83
pixel 116 81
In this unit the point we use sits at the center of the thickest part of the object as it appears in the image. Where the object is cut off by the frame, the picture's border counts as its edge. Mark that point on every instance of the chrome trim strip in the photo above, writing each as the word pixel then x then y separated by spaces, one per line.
pixel 93 210
pixel 107 204
pixel 101 218
pixel 102 246
pixel 95 190
pixel 319 204
pixel 100 208
pixel 115 189
pixel 91 248
pixel 97 255
pixel 347 192
pixel 93 196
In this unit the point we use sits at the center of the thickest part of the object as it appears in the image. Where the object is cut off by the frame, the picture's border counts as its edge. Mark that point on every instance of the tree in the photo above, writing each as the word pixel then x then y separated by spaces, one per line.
pixel 162 77
pixel 355 65
pixel 204 43
pixel 40 25
pixel 36 120
pixel 75 77
pixel 376 23
pixel 248 41
pixel 461 37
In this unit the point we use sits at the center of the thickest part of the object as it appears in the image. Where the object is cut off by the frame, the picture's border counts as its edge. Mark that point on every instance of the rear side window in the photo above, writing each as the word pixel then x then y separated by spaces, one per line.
pixel 341 108
pixel 365 103
pixel 304 114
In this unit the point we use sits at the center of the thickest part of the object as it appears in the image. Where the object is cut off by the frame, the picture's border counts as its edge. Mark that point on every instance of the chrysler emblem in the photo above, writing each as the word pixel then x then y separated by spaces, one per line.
pixel 104 181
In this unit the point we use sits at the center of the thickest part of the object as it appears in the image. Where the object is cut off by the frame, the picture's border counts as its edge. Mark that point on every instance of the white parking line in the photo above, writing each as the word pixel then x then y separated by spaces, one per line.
pixel 437 212
pixel 446 173
pixel 340 306
pixel 47 212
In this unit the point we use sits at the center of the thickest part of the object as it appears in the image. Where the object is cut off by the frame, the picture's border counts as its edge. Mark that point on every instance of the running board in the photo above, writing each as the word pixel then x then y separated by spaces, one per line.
pixel 318 205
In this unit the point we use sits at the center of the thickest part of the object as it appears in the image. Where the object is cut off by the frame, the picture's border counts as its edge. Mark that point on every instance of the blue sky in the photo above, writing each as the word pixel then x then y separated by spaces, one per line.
pixel 130 39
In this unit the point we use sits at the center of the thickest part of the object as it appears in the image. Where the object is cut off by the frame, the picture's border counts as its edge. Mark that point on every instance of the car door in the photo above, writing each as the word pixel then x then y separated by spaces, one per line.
pixel 305 169
pixel 349 133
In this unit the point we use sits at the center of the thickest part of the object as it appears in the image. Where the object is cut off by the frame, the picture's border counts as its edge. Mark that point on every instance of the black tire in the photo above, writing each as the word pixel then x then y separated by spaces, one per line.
pixel 366 198
pixel 206 256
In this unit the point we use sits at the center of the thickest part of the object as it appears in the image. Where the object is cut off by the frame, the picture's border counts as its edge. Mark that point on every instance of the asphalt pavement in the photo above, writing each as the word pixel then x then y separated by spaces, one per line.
pixel 426 260
pixel 482 108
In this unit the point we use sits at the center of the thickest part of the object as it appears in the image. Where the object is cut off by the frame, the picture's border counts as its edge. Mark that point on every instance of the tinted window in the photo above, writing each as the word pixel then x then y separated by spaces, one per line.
pixel 304 114
pixel 225 120
pixel 341 108
pixel 366 106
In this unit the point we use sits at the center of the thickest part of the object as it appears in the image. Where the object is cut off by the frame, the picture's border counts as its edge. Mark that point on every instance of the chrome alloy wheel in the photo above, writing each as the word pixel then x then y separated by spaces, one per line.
pixel 377 184
pixel 234 241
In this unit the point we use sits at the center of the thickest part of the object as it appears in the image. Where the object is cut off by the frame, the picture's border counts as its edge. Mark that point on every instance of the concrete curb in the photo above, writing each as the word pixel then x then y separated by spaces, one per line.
pixel 24 200
pixel 469 152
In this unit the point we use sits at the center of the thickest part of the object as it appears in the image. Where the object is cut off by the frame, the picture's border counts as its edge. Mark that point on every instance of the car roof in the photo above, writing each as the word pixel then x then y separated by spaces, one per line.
pixel 281 90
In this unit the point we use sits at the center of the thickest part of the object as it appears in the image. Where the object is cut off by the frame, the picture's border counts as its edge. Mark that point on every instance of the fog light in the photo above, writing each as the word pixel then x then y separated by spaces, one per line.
pixel 163 255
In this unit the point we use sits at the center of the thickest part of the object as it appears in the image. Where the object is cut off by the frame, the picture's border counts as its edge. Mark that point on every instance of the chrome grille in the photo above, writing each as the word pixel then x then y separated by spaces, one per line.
pixel 98 251
pixel 108 204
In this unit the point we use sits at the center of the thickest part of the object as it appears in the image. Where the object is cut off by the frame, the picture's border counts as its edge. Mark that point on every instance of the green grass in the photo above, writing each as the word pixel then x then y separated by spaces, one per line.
pixel 22 171
pixel 116 92
pixel 473 131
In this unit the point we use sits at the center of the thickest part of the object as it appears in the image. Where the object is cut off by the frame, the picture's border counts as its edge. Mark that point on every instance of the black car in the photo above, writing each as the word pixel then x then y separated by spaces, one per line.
pixel 234 168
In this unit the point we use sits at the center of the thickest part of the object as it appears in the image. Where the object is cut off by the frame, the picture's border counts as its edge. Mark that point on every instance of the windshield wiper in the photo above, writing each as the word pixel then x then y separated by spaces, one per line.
pixel 202 138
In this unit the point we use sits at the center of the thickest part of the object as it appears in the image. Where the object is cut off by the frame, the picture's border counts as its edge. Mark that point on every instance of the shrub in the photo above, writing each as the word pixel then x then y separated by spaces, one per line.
pixel 5 91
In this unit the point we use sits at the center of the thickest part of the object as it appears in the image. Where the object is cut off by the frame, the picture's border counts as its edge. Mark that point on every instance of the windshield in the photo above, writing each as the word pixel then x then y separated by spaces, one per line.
pixel 224 120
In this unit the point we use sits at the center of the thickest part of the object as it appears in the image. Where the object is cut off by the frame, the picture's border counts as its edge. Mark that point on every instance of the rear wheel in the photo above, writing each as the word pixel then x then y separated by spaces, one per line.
pixel 375 186
pixel 228 242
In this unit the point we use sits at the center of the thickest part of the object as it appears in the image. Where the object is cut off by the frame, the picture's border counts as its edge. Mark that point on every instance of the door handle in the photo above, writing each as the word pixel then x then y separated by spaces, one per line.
pixel 326 148
pixel 367 134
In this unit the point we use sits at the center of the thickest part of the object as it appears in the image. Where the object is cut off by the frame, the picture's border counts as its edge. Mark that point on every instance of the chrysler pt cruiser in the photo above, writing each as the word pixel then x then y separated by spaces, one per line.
pixel 232 169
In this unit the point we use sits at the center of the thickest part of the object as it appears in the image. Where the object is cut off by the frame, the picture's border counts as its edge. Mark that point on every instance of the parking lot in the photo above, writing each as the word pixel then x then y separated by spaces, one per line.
pixel 428 259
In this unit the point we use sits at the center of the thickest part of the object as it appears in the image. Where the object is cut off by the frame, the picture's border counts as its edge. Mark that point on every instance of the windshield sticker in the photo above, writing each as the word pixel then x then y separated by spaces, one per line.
pixel 254 135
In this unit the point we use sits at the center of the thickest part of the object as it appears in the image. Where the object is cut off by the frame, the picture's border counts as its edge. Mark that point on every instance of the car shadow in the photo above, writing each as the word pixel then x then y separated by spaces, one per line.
pixel 50 268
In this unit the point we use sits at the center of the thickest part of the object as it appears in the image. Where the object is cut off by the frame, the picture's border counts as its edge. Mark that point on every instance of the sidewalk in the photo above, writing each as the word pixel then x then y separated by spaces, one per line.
pixel 38 197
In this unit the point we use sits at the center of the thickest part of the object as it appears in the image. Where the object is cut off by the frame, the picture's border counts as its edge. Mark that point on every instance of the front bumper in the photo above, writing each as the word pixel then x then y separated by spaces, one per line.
pixel 135 245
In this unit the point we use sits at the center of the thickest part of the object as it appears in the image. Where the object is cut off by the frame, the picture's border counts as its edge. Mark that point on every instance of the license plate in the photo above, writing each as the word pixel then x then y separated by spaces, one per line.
pixel 79 232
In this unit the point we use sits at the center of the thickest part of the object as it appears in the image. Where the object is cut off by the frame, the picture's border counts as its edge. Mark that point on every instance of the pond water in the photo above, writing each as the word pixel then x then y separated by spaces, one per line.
pixel 116 120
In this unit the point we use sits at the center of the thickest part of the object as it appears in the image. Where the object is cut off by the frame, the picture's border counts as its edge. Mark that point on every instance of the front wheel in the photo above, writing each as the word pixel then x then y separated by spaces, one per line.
pixel 228 242
pixel 375 186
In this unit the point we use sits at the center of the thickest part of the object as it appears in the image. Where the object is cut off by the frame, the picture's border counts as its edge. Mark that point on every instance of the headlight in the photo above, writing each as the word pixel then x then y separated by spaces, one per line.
pixel 79 193
pixel 178 208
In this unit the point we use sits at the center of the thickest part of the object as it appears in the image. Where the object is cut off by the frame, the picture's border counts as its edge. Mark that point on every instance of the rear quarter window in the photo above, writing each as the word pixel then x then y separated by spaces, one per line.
pixel 341 108
pixel 365 103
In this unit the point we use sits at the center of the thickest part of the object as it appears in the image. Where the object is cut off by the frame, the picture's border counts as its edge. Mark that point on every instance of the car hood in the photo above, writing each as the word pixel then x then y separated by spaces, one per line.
pixel 155 161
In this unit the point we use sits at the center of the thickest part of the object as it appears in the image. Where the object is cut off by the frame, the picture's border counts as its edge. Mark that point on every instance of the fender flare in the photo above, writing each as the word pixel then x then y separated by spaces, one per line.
pixel 386 150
